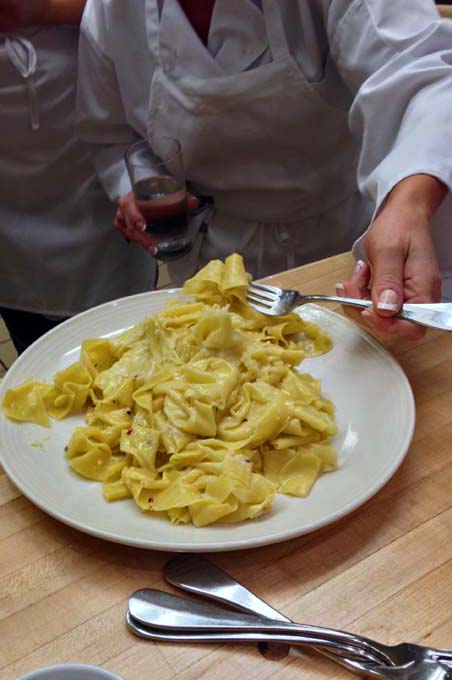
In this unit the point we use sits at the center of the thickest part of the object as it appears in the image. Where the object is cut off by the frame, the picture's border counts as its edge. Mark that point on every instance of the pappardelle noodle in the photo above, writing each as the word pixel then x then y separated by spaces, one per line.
pixel 199 412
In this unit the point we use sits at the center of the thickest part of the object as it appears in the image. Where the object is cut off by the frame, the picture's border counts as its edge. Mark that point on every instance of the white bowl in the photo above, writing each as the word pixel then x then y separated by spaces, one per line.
pixel 71 671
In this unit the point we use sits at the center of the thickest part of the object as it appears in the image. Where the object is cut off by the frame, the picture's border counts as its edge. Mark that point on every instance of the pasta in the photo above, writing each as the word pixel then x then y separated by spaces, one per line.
pixel 199 413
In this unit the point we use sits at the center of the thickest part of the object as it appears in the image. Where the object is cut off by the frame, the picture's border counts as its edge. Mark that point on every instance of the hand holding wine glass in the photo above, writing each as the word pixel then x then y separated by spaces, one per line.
pixel 154 213
pixel 132 224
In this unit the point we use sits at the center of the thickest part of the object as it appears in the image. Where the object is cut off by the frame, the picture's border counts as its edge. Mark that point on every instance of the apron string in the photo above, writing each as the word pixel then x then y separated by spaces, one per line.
pixel 22 56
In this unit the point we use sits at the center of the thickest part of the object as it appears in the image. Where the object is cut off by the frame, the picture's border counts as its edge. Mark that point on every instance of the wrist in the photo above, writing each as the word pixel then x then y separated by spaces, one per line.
pixel 420 194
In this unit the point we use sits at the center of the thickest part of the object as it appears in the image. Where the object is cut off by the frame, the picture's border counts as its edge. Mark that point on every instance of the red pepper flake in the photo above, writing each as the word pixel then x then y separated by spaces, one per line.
pixel 130 431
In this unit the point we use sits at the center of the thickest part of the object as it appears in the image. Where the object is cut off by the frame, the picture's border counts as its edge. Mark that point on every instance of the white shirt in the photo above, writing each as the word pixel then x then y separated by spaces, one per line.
pixel 393 60
pixel 114 85
pixel 389 63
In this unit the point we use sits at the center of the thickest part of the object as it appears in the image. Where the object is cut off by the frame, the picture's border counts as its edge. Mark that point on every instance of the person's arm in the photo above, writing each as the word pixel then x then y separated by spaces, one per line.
pixel 397 60
pixel 15 14
pixel 101 121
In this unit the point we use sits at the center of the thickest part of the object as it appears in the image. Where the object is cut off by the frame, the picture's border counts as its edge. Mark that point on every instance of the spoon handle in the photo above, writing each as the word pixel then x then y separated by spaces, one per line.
pixel 157 609
pixel 356 661
pixel 201 577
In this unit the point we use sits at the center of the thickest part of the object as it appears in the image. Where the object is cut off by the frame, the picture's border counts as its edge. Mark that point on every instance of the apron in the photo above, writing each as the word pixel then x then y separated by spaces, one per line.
pixel 59 253
pixel 275 156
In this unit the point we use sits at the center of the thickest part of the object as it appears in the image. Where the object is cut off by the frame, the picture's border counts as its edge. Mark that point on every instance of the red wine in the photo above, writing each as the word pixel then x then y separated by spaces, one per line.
pixel 163 204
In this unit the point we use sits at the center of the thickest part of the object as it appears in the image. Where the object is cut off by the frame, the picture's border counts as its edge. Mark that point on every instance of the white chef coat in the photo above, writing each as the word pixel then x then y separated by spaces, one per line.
pixel 383 61
pixel 59 253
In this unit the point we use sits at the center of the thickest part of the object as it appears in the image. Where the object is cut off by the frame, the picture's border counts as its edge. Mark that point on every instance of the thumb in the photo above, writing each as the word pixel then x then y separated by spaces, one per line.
pixel 132 213
pixel 387 284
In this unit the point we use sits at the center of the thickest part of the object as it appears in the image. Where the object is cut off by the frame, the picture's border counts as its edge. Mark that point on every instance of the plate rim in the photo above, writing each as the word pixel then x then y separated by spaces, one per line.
pixel 238 544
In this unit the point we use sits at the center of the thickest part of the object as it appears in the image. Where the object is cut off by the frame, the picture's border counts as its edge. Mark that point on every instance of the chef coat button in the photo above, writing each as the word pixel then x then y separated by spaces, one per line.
pixel 284 236
pixel 171 60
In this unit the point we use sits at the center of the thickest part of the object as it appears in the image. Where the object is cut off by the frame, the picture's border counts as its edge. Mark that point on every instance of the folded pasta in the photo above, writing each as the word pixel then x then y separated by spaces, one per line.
pixel 200 413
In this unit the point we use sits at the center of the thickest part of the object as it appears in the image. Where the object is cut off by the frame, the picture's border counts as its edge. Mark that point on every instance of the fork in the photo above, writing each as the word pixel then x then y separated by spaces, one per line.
pixel 199 576
pixel 172 614
pixel 160 616
pixel 275 301
pixel 415 670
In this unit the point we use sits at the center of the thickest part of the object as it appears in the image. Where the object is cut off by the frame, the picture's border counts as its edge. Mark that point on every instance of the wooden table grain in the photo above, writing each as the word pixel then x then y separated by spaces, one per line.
pixel 445 11
pixel 383 571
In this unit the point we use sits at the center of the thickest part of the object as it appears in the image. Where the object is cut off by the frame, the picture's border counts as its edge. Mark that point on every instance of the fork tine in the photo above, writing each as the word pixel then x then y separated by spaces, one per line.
pixel 260 301
pixel 266 288
pixel 262 295
pixel 262 310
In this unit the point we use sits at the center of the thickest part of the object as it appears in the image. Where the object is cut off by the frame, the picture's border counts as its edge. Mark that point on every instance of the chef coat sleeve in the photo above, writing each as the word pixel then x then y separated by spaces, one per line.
pixel 101 120
pixel 396 58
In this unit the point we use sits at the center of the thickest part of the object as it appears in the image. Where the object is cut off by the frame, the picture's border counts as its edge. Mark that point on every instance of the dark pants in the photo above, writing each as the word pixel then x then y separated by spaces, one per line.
pixel 25 327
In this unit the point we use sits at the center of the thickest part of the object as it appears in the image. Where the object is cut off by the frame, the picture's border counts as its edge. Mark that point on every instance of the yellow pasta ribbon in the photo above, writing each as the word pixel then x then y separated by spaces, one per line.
pixel 200 413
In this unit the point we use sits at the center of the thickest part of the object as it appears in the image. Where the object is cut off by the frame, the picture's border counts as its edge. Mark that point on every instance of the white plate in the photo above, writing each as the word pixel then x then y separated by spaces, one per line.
pixel 375 414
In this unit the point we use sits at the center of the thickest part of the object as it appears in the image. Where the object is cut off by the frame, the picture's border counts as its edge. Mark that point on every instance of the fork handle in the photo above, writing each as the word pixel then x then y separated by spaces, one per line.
pixel 420 314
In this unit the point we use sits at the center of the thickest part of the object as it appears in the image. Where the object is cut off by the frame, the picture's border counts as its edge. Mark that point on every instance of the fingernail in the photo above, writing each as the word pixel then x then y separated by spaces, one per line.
pixel 153 250
pixel 358 266
pixel 141 225
pixel 366 314
pixel 388 300
pixel 340 289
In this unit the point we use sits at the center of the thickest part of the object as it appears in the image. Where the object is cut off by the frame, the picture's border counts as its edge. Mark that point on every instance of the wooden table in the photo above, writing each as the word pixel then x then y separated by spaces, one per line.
pixel 384 571
pixel 445 11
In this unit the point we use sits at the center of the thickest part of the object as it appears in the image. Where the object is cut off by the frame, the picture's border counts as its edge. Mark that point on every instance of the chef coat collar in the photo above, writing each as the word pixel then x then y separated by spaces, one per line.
pixel 237 36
